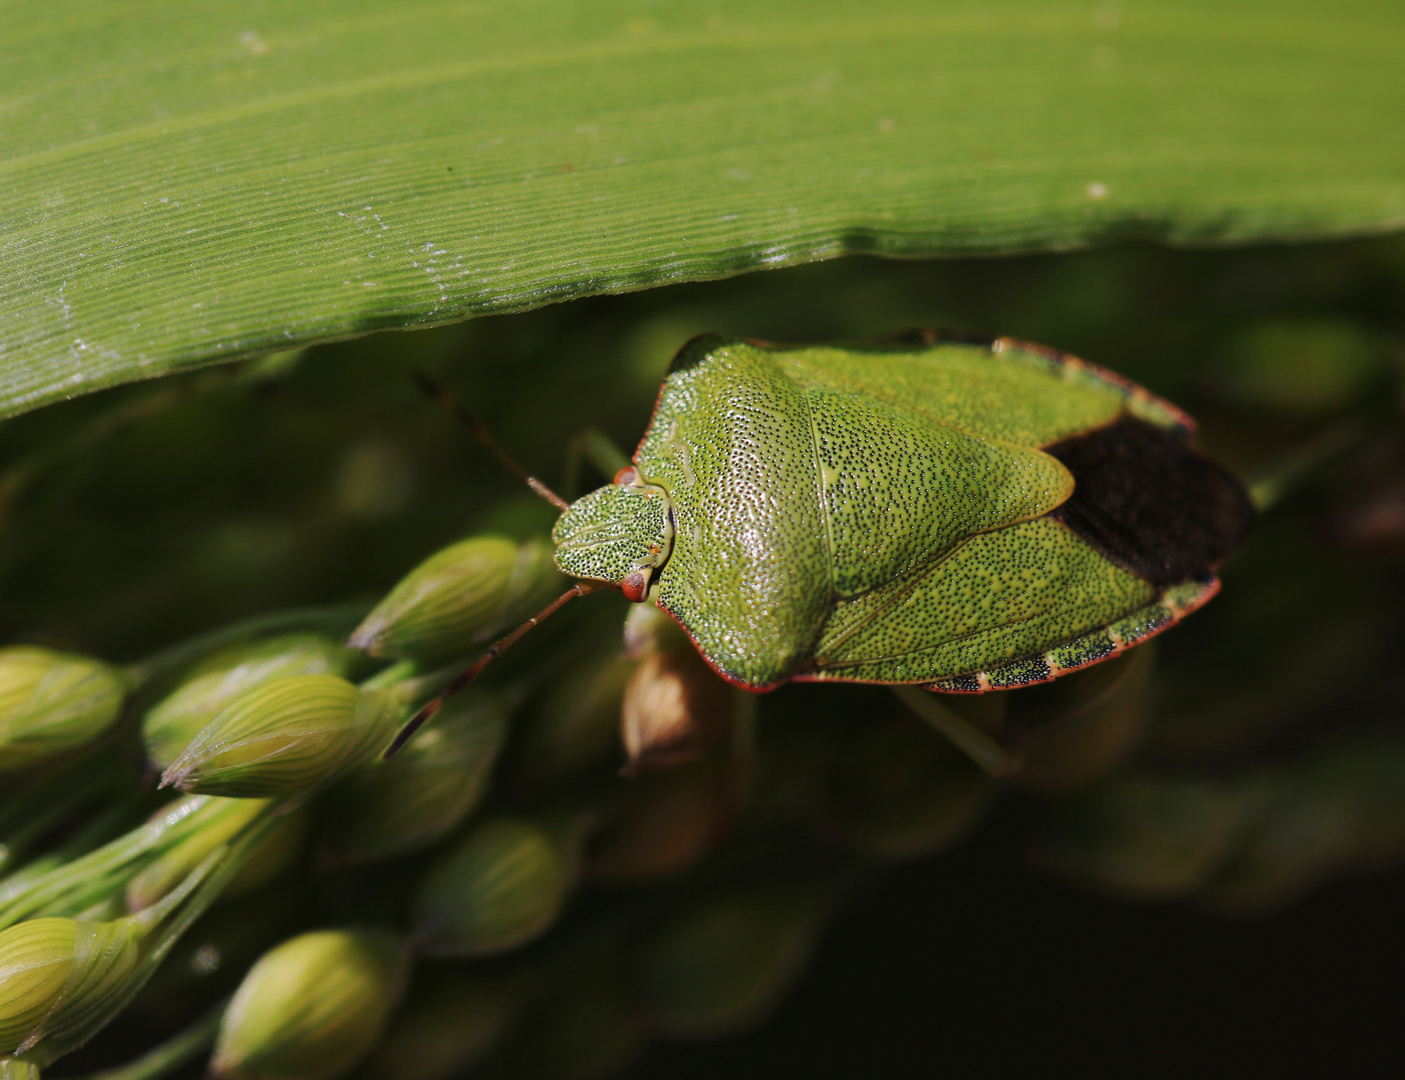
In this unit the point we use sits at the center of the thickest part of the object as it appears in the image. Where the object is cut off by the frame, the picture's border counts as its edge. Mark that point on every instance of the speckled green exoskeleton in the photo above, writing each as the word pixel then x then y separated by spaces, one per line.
pixel 922 509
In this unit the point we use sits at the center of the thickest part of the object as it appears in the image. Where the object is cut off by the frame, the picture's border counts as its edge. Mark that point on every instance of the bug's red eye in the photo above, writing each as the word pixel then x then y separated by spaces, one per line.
pixel 635 586
pixel 627 477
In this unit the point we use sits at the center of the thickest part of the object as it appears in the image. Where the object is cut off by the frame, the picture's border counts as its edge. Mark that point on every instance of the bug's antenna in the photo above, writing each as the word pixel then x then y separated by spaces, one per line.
pixel 463 678
pixel 447 401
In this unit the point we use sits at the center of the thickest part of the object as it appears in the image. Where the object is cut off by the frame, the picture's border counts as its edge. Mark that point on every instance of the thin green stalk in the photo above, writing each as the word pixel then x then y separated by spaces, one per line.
pixel 84 880
pixel 106 822
pixel 975 743
pixel 745 706
pixel 598 449
pixel 171 1054
pixel 1270 482
pixel 89 880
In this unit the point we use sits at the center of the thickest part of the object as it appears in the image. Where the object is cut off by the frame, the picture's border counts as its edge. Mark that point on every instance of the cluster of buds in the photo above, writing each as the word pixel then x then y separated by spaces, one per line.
pixel 66 967
pixel 254 728
pixel 632 765
pixel 1238 845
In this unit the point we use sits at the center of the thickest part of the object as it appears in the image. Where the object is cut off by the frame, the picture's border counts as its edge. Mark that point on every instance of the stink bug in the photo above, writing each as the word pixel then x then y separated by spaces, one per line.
pixel 922 509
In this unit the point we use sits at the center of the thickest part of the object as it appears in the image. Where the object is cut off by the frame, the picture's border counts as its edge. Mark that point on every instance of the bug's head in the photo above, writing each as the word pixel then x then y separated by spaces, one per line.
pixel 621 533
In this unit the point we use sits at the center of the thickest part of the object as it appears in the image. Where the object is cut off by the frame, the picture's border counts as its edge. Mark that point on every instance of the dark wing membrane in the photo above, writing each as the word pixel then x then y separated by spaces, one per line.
pixel 1150 502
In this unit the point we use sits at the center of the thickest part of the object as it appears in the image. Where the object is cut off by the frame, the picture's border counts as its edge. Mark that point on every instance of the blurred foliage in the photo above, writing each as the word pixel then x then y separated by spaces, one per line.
pixel 1251 754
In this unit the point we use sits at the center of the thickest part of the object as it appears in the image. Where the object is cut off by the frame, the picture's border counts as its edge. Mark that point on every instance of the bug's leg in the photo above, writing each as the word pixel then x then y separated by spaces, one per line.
pixel 580 588
pixel 980 747
pixel 597 448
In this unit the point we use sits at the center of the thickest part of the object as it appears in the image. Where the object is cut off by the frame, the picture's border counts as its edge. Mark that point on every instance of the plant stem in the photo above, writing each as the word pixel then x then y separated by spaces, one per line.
pixel 1271 481
pixel 745 706
pixel 975 743
pixel 172 1053
pixel 76 885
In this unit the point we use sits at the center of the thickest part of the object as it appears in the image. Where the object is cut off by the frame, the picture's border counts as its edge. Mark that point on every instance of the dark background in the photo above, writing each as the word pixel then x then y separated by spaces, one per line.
pixel 973 965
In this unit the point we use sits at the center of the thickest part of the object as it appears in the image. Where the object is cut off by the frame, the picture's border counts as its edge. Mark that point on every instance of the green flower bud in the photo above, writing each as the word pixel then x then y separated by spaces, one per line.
pixel 310 1009
pixel 576 724
pixel 1367 772
pixel 420 795
pixel 502 886
pixel 466 594
pixel 1339 809
pixel 721 965
pixel 277 850
pixel 285 737
pixel 36 958
pixel 1297 840
pixel 55 974
pixel 169 726
pixel 450 1023
pixel 51 702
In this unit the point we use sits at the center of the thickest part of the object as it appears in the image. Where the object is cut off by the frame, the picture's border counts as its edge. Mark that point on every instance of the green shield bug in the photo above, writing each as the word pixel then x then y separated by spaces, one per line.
pixel 922 509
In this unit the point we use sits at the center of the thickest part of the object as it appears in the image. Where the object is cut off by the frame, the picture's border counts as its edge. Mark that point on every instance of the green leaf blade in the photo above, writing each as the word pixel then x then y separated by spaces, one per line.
pixel 182 183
